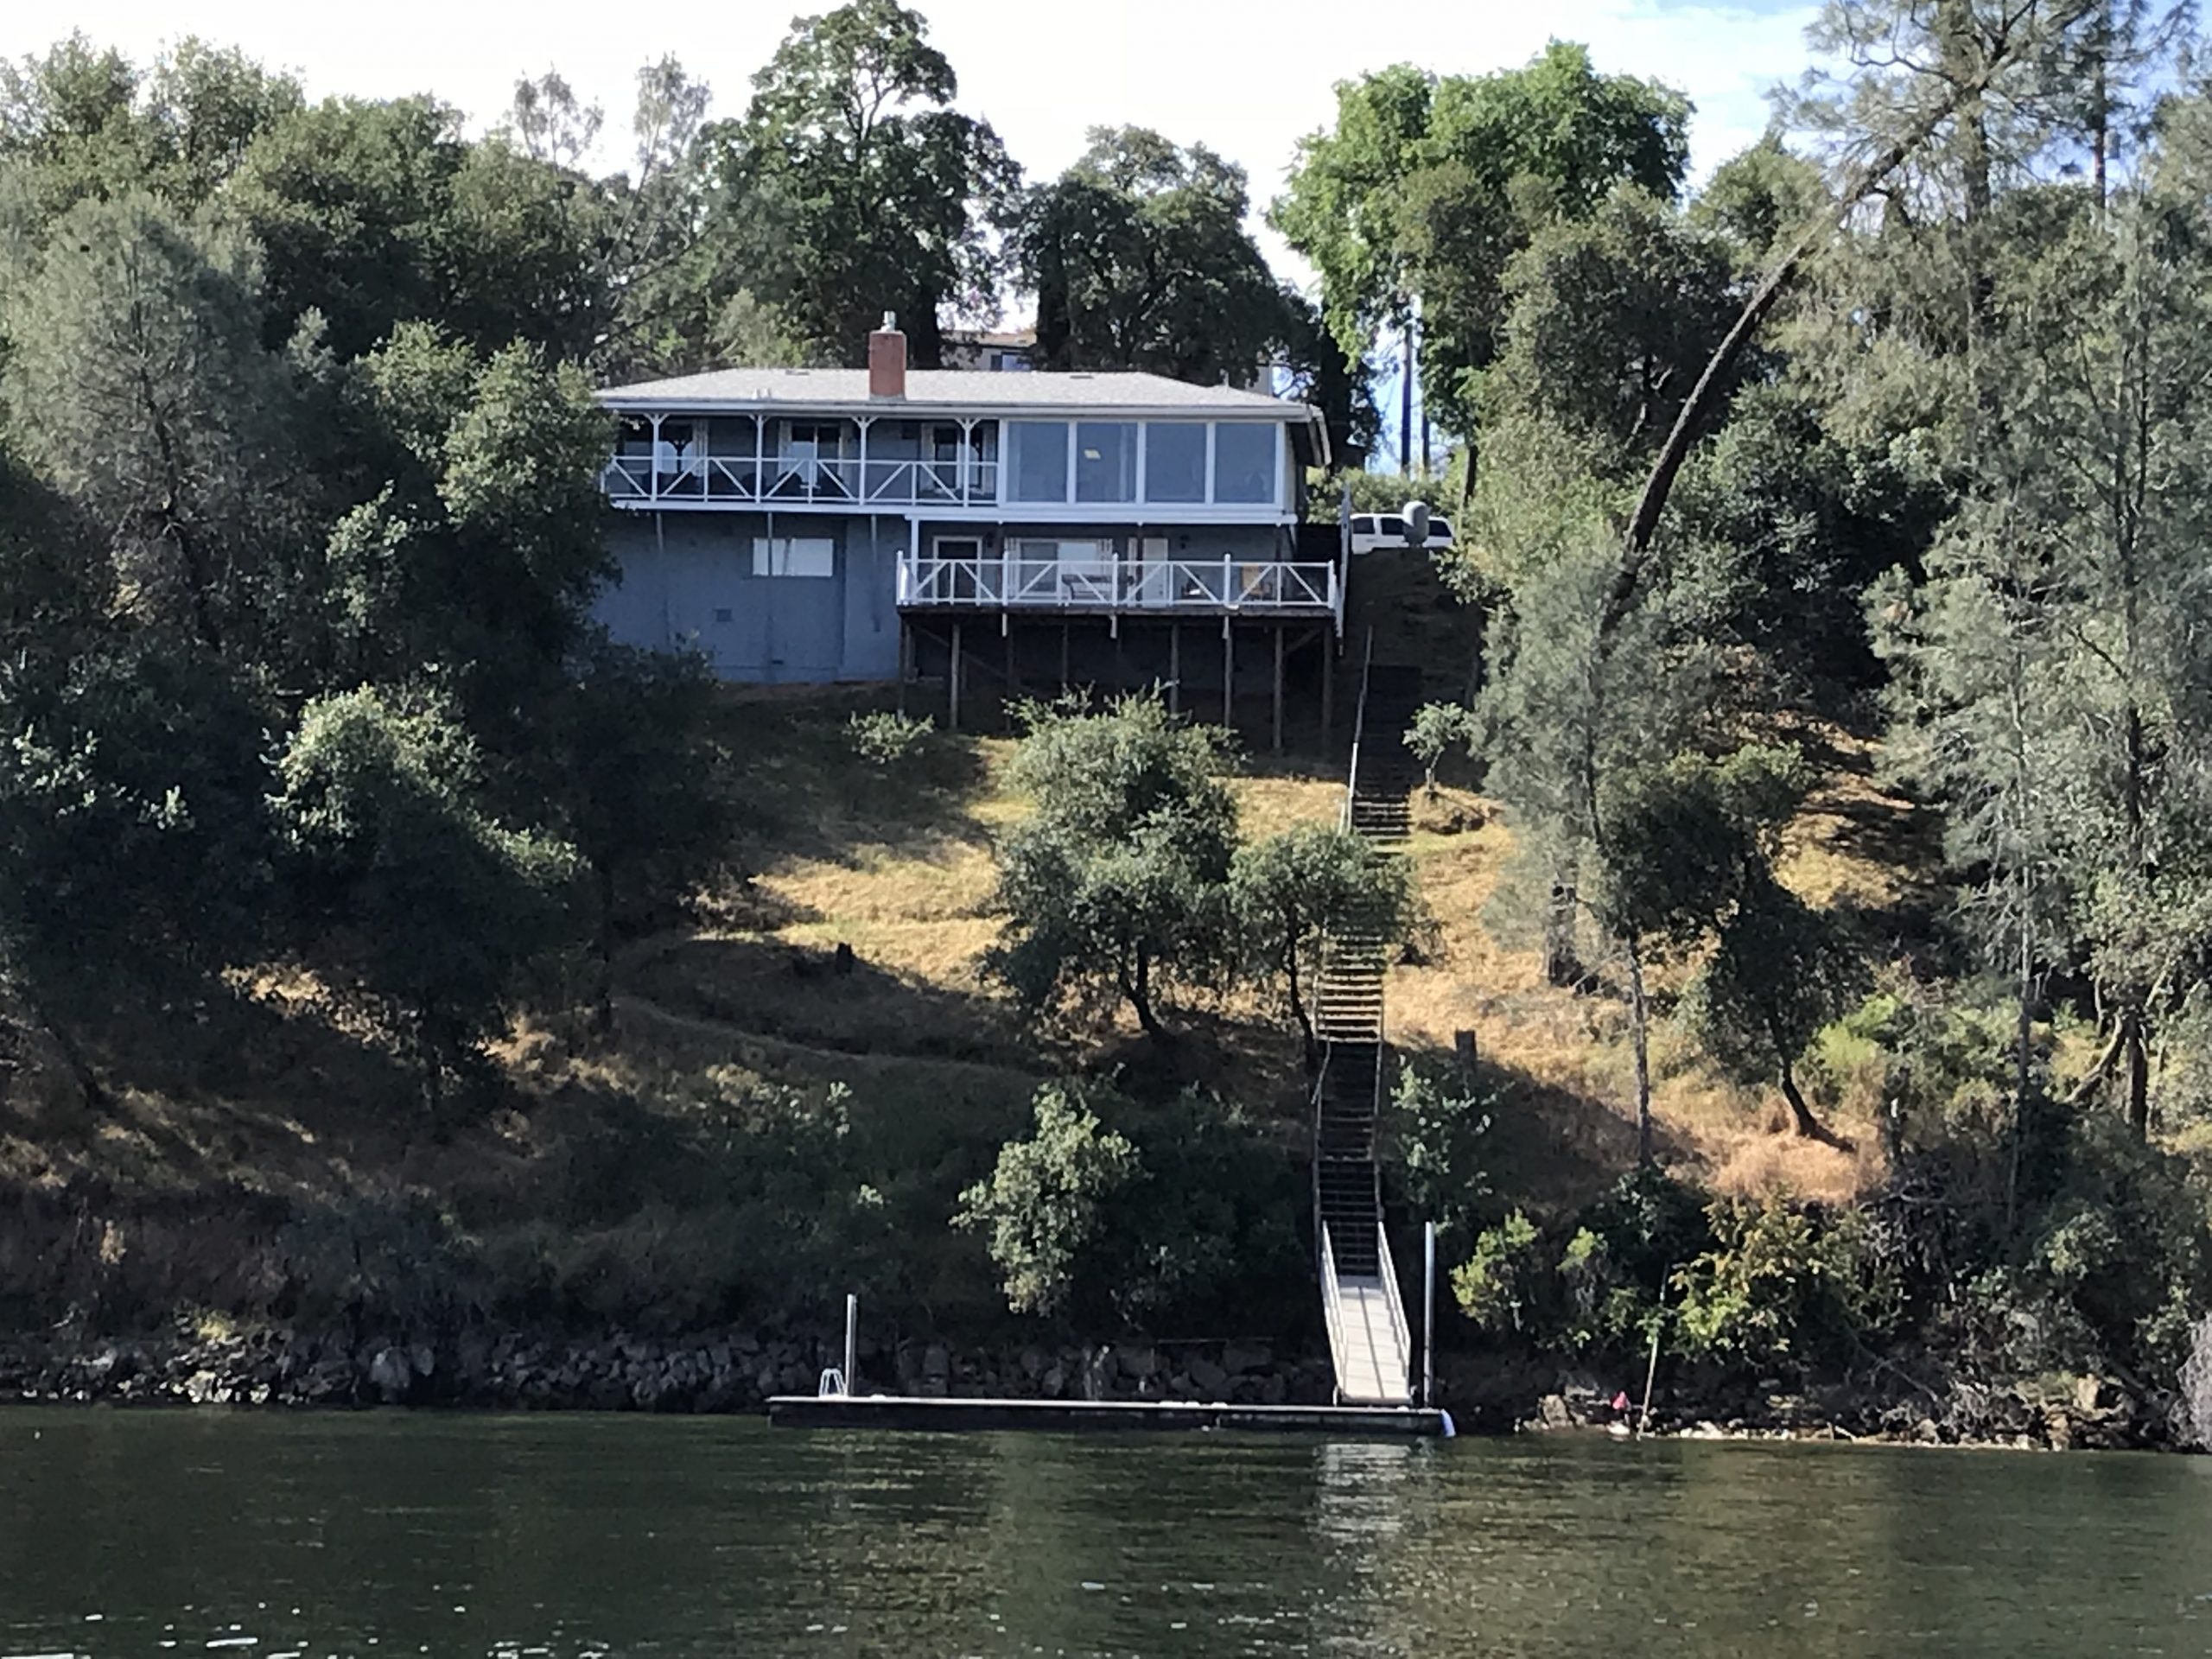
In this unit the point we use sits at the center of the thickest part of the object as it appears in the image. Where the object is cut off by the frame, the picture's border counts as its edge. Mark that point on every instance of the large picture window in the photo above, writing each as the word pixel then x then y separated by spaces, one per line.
pixel 1105 461
pixel 794 556
pixel 1175 461
pixel 1244 462
pixel 1039 453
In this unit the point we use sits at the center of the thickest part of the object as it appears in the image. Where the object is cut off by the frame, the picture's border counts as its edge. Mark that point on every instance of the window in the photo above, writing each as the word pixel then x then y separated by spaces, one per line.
pixel 1039 451
pixel 1105 461
pixel 1244 462
pixel 1175 461
pixel 794 556
pixel 1392 526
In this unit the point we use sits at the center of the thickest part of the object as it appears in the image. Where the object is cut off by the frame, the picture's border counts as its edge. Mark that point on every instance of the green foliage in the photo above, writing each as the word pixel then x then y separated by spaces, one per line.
pixel 1437 1127
pixel 1425 187
pixel 852 186
pixel 1041 1208
pixel 638 784
pixel 1139 259
pixel 431 908
pixel 883 739
pixel 1783 1286
pixel 1439 728
pixel 1085 1220
pixel 1115 887
pixel 1496 1285
pixel 1290 893
pixel 136 386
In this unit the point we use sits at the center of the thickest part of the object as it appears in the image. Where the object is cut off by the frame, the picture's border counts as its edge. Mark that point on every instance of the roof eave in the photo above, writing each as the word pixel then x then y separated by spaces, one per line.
pixel 617 401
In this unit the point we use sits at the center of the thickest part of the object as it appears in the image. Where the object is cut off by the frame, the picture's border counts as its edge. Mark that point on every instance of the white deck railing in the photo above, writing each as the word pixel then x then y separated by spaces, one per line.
pixel 794 480
pixel 1163 585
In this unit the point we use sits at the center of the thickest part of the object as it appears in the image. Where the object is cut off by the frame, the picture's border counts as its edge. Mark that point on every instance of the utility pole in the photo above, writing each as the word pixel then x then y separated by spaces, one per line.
pixel 1406 398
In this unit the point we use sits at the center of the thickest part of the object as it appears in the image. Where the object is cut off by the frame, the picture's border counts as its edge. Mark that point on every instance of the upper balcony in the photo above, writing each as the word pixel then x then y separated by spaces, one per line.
pixel 1153 471
pixel 752 461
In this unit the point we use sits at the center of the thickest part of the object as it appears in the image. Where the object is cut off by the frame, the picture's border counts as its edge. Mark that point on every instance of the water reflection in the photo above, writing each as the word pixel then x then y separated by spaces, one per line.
pixel 316 1537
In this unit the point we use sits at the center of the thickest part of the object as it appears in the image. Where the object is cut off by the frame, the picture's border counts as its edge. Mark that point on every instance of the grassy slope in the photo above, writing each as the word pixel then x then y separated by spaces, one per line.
pixel 602 1178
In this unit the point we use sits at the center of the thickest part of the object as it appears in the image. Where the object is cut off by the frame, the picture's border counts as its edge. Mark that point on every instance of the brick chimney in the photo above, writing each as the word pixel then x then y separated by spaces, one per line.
pixel 886 360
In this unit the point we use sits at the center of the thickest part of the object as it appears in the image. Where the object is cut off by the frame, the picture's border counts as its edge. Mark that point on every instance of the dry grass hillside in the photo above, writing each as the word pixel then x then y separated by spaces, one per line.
pixel 603 1182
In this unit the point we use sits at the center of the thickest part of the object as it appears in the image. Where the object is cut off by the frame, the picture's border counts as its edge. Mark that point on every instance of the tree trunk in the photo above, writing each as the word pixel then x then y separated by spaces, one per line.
pixel 1639 1013
pixel 1560 967
pixel 2024 1041
pixel 1705 397
pixel 2137 1054
pixel 80 1068
pixel 603 1002
pixel 1297 1012
pixel 1138 988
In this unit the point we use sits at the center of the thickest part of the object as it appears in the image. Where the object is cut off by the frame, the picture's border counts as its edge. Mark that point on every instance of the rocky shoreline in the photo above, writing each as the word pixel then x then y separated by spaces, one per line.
pixel 720 1371
pixel 736 1371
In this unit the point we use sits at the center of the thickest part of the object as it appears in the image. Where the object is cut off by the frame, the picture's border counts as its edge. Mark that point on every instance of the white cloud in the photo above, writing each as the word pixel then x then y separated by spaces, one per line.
pixel 1243 76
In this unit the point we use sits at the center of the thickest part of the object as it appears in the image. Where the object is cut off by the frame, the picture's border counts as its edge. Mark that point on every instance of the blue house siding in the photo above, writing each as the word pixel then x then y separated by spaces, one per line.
pixel 688 581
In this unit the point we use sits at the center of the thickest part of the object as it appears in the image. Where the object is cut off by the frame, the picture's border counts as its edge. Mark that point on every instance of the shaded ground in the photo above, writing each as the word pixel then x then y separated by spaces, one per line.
pixel 627 1172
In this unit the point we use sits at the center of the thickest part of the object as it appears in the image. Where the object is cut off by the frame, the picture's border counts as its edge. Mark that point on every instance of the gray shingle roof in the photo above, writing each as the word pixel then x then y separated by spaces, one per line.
pixel 962 390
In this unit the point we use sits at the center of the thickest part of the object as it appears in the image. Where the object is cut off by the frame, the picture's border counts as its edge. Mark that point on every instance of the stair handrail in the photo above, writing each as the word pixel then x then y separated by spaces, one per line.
pixel 1358 730
pixel 1331 1312
pixel 1320 1084
pixel 1398 1327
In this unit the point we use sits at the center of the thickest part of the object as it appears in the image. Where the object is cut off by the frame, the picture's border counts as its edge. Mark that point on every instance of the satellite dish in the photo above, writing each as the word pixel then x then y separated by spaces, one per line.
pixel 1416 514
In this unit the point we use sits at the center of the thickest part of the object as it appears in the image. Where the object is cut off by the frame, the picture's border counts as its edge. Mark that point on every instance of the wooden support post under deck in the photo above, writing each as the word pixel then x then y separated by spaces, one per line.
pixel 1278 727
pixel 1012 677
pixel 906 659
pixel 1174 668
pixel 1064 656
pixel 1328 685
pixel 1229 674
pixel 952 682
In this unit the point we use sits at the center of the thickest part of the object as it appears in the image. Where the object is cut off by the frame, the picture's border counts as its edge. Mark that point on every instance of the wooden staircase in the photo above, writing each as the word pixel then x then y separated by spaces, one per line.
pixel 1368 1338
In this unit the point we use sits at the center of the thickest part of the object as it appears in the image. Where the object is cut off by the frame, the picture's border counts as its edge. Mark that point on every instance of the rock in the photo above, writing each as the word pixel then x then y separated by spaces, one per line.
pixel 1237 1358
pixel 1140 1364
pixel 1098 1375
pixel 424 1359
pixel 1208 1381
pixel 937 1362
pixel 204 1388
pixel 390 1374
pixel 1033 1362
pixel 2088 1391
pixel 1553 1412
pixel 1272 1388
pixel 1053 1384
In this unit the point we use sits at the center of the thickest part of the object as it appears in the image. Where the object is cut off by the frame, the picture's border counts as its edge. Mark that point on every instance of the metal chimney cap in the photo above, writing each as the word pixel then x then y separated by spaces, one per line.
pixel 890 321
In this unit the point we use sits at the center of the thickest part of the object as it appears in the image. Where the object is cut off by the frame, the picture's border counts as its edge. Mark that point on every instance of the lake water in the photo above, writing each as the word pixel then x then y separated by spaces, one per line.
pixel 268 1537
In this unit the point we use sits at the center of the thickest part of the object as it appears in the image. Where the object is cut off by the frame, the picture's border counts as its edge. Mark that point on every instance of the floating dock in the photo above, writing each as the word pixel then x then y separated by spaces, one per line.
pixel 1092 1416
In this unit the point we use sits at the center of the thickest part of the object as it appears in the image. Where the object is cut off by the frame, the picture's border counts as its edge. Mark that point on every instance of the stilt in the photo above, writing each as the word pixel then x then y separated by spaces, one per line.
pixel 952 683
pixel 1228 674
pixel 1064 674
pixel 1278 732
pixel 1121 675
pixel 1013 674
pixel 1328 687
pixel 1174 668
pixel 905 660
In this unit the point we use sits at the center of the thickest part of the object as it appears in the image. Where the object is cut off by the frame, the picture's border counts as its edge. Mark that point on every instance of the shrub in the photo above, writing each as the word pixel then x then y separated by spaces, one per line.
pixel 884 738
pixel 1784 1284
pixel 1438 1124
pixel 1496 1285
pixel 1437 728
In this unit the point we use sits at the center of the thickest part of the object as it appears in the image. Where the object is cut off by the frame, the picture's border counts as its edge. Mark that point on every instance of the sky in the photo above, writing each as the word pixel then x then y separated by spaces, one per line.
pixel 1247 77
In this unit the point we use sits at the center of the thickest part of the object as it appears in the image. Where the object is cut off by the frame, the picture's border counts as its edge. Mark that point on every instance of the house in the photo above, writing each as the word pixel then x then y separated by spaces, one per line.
pixel 828 524
pixel 1008 350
